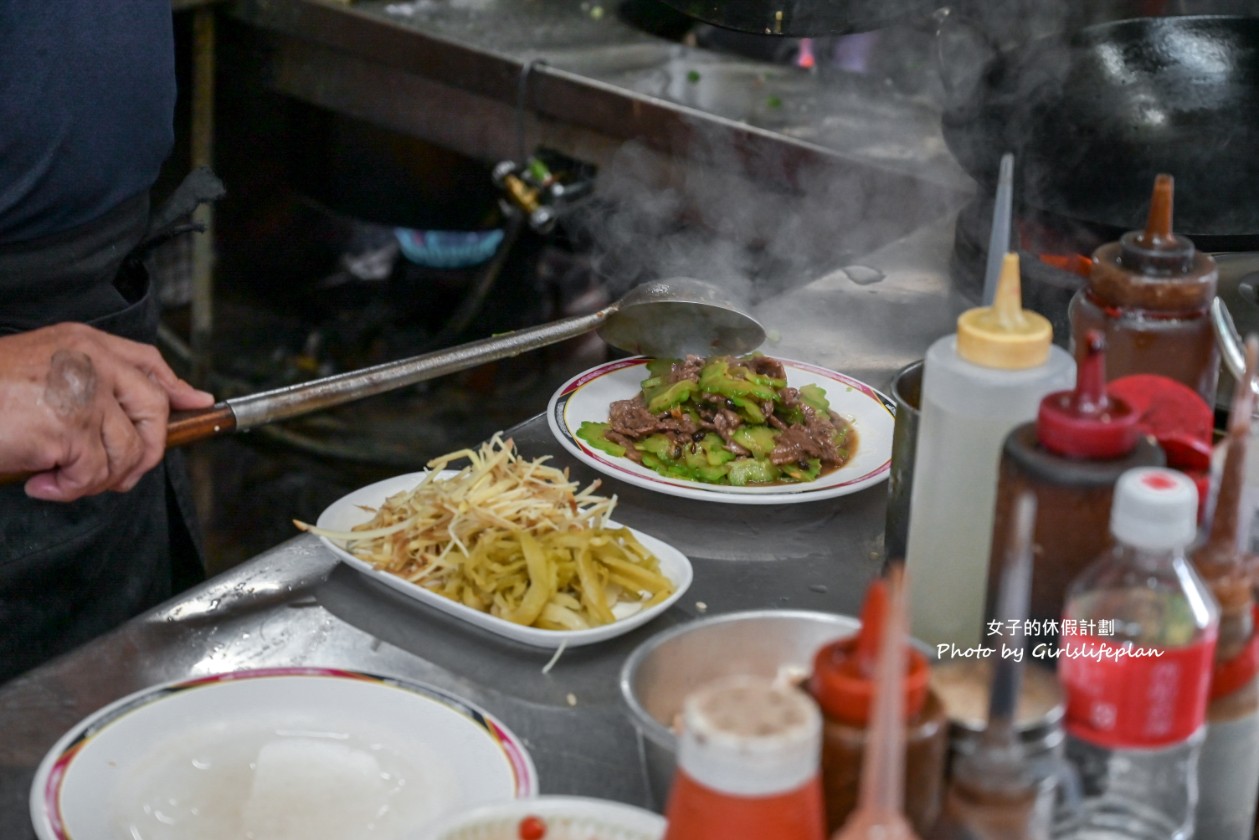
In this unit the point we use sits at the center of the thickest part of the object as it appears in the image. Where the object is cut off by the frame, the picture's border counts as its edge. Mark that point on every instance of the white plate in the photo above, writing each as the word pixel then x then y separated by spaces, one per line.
pixel 587 396
pixel 186 759
pixel 566 818
pixel 348 511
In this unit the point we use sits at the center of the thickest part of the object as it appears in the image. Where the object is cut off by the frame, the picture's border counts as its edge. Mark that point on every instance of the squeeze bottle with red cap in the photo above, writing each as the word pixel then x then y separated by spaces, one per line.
pixel 978 384
pixel 1069 460
pixel 1137 639
pixel 1228 770
pixel 842 683
pixel 1151 293
pixel 748 764
pixel 879 814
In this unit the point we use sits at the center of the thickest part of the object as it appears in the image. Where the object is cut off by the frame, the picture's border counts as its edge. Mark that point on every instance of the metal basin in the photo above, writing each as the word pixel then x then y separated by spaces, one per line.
pixel 667 667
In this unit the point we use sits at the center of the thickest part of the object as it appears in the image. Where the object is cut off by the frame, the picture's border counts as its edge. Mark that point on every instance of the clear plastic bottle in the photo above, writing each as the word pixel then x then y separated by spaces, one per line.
pixel 1138 636
pixel 978 384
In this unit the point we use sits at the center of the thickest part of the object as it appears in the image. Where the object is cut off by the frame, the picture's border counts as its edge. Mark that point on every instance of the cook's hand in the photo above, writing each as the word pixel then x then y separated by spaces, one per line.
pixel 84 410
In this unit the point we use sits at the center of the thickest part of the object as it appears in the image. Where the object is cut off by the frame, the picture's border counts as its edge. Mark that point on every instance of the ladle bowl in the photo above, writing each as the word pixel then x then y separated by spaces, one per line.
pixel 677 317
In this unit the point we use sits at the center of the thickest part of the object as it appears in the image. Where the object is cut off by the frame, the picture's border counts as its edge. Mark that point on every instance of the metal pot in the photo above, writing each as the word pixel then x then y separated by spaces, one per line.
pixel 662 671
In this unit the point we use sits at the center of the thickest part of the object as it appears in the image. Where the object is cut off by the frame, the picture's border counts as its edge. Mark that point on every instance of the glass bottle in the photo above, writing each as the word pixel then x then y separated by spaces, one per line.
pixel 964 686
pixel 994 789
pixel 1150 293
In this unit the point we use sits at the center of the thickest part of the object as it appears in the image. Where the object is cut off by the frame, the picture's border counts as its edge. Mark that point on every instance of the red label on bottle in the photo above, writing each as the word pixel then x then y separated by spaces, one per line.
pixel 1122 695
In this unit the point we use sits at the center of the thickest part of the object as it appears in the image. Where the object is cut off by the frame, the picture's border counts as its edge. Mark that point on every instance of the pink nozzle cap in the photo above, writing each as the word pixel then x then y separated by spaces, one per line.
pixel 1088 422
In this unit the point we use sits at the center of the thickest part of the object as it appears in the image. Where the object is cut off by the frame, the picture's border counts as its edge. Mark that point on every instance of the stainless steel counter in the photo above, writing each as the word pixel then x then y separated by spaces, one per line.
pixel 295 605
pixel 588 69
pixel 494 78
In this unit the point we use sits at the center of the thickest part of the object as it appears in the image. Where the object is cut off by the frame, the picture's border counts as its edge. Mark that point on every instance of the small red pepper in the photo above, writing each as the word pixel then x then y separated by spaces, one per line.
pixel 531 828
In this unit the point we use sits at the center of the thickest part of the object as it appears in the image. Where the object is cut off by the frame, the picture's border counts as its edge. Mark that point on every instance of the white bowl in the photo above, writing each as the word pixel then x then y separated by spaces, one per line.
pixel 566 818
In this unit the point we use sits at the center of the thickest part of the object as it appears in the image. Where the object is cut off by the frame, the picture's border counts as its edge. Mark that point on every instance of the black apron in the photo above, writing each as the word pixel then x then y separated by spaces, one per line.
pixel 69 572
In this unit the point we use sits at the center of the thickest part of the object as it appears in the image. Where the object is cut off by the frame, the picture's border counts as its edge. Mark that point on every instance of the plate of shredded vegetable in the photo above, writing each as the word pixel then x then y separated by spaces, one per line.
pixel 508 544
pixel 750 429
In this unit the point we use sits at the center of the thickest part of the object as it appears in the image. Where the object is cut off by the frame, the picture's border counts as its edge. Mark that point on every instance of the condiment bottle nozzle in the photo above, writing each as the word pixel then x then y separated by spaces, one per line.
pixel 1158 225
pixel 1156 249
pixel 1005 335
pixel 1221 558
pixel 1088 421
pixel 880 805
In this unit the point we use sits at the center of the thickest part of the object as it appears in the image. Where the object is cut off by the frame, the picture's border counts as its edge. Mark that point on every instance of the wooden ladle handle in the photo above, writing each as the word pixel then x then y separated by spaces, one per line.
pixel 184 427
pixel 202 424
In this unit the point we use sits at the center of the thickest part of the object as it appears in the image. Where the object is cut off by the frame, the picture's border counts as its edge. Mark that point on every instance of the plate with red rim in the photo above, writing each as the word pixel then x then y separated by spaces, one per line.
pixel 551 818
pixel 588 396
pixel 215 756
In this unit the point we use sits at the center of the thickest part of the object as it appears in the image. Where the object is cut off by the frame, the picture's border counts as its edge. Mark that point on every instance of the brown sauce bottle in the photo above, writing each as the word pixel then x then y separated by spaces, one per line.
pixel 1069 460
pixel 1150 294
pixel 842 683
pixel 1228 766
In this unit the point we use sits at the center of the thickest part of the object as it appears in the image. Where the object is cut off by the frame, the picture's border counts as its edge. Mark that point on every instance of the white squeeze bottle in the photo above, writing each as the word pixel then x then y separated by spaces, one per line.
pixel 978 384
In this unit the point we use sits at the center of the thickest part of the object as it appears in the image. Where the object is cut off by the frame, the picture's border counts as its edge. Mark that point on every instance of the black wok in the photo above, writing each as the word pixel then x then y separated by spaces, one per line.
pixel 1093 115
pixel 802 18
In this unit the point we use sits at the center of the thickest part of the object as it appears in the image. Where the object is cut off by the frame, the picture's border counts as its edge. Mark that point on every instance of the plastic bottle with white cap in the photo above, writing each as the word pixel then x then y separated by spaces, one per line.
pixel 978 384
pixel 1138 635
pixel 749 764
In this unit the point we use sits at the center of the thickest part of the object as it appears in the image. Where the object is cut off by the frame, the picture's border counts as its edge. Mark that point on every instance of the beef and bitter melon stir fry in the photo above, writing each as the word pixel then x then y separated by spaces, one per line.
pixel 725 420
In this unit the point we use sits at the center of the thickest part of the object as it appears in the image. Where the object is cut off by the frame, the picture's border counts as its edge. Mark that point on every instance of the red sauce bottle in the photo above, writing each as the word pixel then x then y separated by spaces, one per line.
pixel 1150 294
pixel 747 764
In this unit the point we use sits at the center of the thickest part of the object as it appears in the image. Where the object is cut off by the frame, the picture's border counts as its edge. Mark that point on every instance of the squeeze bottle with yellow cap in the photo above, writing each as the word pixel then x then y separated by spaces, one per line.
pixel 978 384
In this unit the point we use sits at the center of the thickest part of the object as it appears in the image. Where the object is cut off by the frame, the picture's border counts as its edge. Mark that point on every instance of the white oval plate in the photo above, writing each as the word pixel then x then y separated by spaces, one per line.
pixel 196 744
pixel 588 396
pixel 566 818
pixel 345 513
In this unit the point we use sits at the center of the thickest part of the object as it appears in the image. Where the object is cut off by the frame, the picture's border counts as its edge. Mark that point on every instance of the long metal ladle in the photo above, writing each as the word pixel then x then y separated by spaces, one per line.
pixel 662 318
pixel 1228 339
pixel 1235 268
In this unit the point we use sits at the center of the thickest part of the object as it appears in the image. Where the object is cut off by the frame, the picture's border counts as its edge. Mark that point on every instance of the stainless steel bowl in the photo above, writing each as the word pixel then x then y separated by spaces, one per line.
pixel 668 666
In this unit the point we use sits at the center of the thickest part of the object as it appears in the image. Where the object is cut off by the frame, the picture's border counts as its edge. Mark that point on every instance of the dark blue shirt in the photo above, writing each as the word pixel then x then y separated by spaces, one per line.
pixel 87 98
